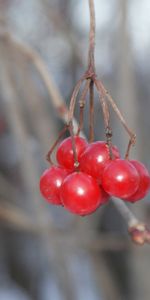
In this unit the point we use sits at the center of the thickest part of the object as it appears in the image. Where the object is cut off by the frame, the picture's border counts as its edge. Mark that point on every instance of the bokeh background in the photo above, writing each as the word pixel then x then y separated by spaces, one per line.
pixel 45 252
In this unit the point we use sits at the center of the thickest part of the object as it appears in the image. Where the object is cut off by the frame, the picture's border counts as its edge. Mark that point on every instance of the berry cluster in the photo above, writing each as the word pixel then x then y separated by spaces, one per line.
pixel 84 184
pixel 88 174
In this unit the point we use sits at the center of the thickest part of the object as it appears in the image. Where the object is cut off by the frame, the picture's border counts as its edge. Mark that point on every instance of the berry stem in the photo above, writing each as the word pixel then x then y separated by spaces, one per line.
pixel 130 144
pixel 106 116
pixel 71 115
pixel 82 105
pixel 74 98
pixel 76 163
pixel 103 104
pixel 91 122
pixel 118 113
pixel 48 156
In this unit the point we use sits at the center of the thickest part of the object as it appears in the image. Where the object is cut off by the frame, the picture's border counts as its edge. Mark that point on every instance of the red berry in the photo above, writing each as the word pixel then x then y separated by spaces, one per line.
pixel 144 184
pixel 64 153
pixel 120 178
pixel 80 193
pixel 50 183
pixel 95 157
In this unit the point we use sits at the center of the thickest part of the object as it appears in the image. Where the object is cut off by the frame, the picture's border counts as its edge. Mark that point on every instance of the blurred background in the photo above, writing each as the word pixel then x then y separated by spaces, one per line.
pixel 45 252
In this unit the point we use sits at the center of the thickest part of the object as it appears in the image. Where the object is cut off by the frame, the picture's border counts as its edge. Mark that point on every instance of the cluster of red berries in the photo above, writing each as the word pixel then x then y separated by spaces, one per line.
pixel 82 189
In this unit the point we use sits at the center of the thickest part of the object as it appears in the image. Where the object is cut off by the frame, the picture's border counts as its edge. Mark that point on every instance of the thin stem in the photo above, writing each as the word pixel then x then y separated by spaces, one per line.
pixel 132 135
pixel 106 116
pixel 82 104
pixel 81 116
pixel 91 138
pixel 121 118
pixel 103 104
pixel 91 63
pixel 74 99
pixel 117 111
pixel 128 149
pixel 76 163
pixel 48 156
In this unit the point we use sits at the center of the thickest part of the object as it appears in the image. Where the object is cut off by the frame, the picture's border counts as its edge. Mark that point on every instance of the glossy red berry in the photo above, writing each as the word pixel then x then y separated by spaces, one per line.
pixel 95 157
pixel 80 194
pixel 144 184
pixel 64 153
pixel 120 178
pixel 50 183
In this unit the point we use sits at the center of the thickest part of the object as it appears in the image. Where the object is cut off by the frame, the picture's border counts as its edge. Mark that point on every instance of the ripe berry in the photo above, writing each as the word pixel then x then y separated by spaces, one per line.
pixel 80 193
pixel 95 157
pixel 144 184
pixel 64 153
pixel 120 178
pixel 50 183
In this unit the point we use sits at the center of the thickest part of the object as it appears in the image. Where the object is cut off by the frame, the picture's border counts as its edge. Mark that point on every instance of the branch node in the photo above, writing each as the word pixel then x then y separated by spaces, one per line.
pixel 140 234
